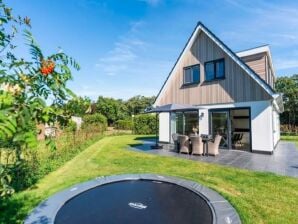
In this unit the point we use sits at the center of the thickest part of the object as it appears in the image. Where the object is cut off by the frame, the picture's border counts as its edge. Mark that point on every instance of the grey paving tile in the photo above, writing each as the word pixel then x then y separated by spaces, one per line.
pixel 284 160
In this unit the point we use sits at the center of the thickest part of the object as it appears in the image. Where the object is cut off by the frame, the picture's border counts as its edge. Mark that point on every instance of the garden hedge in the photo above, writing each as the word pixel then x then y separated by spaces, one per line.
pixel 124 125
pixel 145 124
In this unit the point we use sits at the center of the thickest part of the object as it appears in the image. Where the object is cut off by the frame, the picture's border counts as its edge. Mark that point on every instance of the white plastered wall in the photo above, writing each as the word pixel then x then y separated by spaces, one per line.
pixel 276 127
pixel 264 136
pixel 164 127
pixel 261 124
pixel 262 130
pixel 203 121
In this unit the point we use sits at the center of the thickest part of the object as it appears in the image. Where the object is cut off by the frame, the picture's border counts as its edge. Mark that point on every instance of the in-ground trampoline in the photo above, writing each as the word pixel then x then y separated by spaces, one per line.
pixel 135 198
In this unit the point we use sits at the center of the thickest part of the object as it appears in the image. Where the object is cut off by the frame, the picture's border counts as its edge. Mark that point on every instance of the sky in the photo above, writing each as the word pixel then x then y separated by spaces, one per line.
pixel 128 47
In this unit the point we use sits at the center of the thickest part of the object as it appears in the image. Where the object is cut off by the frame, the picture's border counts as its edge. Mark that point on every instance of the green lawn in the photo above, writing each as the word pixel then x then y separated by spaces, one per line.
pixel 258 197
pixel 290 138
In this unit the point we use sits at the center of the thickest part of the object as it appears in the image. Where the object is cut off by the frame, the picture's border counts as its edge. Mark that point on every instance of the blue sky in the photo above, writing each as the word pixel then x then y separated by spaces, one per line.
pixel 127 47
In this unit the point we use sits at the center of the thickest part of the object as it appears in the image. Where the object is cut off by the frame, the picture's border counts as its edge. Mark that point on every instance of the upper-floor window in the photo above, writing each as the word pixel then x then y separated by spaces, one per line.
pixel 215 69
pixel 191 75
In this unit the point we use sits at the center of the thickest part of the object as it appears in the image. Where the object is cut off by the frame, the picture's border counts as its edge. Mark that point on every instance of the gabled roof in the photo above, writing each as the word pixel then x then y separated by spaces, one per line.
pixel 201 27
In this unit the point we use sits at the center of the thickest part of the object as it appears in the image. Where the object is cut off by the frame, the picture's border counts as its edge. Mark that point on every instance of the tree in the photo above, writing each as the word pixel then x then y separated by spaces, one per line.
pixel 138 104
pixel 116 109
pixel 288 86
pixel 77 106
pixel 26 85
pixel 112 109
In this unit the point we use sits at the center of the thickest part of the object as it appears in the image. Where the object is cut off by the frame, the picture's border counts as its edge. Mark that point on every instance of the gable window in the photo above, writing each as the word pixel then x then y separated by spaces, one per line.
pixel 191 75
pixel 215 70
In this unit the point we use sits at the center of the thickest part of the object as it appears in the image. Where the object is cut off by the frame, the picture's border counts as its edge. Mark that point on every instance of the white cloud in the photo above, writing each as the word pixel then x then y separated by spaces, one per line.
pixel 131 55
pixel 267 22
pixel 273 20
pixel 129 64
pixel 124 53
pixel 119 58
pixel 135 26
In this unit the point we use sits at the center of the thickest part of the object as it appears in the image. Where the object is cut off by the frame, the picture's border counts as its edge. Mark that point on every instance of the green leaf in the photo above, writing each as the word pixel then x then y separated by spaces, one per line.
pixel 51 144
pixel 30 139
pixel 7 126
pixel 35 50
pixel 70 92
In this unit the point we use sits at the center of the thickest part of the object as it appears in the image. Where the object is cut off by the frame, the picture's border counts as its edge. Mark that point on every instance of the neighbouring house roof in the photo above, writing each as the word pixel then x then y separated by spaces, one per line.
pixel 257 50
pixel 201 27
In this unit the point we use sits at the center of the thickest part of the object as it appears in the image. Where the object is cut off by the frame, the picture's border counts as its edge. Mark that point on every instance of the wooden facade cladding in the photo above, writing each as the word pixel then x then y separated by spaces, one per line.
pixel 237 86
pixel 260 64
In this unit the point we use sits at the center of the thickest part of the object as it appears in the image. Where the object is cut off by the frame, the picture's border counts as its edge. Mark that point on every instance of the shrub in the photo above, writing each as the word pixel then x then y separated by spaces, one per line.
pixel 124 125
pixel 71 126
pixel 95 119
pixel 24 174
pixel 36 163
pixel 69 144
pixel 144 124
pixel 289 129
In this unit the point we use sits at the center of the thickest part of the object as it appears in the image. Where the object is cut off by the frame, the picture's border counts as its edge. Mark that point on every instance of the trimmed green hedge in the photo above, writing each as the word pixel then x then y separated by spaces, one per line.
pixel 145 124
pixel 123 125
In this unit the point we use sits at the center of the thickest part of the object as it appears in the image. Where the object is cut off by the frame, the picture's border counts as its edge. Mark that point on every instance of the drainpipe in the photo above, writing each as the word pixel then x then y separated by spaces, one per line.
pixel 183 122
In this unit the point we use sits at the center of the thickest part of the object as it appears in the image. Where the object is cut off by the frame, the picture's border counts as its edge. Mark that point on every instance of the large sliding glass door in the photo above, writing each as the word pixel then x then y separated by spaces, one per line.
pixel 240 129
pixel 191 122
pixel 179 123
pixel 234 127
pixel 185 122
pixel 220 126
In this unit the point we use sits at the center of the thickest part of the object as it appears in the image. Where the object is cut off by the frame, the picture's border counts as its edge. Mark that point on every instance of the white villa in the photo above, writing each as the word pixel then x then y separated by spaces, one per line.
pixel 234 94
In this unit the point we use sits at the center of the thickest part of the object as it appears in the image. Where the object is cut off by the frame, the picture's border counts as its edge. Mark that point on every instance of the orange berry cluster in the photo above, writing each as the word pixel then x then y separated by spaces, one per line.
pixel 47 67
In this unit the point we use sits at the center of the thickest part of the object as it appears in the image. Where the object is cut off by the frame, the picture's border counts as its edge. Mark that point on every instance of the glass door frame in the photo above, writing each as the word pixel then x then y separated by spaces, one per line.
pixel 173 114
pixel 228 110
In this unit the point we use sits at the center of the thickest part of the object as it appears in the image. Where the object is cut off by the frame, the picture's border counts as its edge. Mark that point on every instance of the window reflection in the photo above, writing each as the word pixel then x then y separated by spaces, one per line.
pixel 187 123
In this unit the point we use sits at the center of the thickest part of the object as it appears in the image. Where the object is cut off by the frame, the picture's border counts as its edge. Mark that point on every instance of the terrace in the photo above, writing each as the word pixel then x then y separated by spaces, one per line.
pixel 284 160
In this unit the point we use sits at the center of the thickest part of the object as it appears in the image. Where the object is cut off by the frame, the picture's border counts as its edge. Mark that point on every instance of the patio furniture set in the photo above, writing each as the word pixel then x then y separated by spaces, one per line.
pixel 197 145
